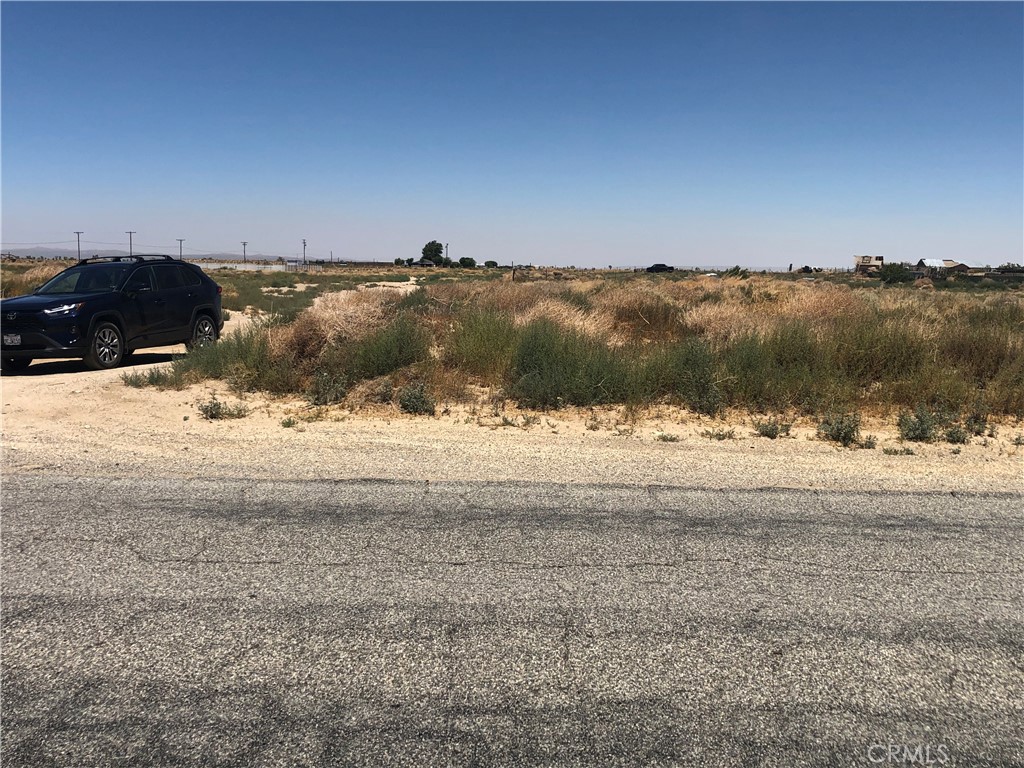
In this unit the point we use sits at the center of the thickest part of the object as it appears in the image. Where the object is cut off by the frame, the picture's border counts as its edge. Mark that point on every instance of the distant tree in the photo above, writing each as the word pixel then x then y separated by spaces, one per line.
pixel 399 262
pixel 467 262
pixel 446 262
pixel 490 264
pixel 408 262
pixel 433 251
pixel 895 273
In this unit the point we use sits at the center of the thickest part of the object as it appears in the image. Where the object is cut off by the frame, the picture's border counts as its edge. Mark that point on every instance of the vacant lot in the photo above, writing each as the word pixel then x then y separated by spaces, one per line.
pixel 353 379
pixel 942 364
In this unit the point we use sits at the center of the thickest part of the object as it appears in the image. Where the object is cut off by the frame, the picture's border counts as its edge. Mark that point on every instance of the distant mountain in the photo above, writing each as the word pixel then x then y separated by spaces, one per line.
pixel 65 253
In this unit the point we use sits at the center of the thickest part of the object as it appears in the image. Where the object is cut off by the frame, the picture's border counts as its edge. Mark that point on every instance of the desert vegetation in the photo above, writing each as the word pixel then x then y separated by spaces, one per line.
pixel 759 344
pixel 19 278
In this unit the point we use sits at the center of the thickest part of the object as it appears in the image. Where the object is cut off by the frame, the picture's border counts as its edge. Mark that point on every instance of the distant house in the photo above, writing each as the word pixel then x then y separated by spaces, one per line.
pixel 865 265
pixel 424 262
pixel 944 266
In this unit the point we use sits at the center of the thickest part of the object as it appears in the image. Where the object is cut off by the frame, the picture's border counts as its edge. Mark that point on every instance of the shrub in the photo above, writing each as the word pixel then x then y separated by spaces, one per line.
pixel 645 315
pixel 976 423
pixel 895 273
pixel 736 271
pixel 327 387
pixel 385 392
pixel 482 344
pixel 214 409
pixel 666 437
pixel 784 368
pixel 843 429
pixel 898 451
pixel 771 428
pixel 869 349
pixel 416 400
pixel 288 422
pixel 400 343
pixel 918 427
pixel 957 434
pixel 244 359
pixel 686 372
pixel 552 366
pixel 162 377
pixel 719 434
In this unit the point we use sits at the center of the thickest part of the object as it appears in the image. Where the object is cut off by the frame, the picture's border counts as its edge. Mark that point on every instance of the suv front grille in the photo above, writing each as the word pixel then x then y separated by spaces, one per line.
pixel 21 321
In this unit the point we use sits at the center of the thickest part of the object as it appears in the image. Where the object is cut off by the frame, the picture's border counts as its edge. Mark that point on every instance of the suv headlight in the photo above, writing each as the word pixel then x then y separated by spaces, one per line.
pixel 63 309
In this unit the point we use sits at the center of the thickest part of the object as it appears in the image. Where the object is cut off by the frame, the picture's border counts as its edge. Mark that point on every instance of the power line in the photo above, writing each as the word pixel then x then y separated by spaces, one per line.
pixel 47 242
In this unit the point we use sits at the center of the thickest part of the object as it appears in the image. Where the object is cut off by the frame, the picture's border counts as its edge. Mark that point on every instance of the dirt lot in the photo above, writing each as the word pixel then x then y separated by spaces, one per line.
pixel 60 416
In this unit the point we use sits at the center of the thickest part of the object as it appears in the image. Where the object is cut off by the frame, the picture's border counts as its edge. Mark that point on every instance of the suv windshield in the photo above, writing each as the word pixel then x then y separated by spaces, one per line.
pixel 99 278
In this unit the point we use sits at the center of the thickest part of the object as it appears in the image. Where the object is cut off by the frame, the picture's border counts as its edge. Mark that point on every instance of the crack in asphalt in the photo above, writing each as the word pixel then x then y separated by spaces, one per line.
pixel 195 558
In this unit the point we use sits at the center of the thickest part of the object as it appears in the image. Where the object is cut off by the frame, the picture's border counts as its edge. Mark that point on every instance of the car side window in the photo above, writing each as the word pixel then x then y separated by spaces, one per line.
pixel 168 277
pixel 141 280
pixel 188 276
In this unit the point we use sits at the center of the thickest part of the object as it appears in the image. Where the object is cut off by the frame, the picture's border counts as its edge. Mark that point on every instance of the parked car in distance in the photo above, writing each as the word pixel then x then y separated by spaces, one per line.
pixel 661 268
pixel 102 309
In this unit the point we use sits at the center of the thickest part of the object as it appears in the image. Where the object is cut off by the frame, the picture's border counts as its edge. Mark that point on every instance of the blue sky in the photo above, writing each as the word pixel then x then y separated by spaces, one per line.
pixel 584 134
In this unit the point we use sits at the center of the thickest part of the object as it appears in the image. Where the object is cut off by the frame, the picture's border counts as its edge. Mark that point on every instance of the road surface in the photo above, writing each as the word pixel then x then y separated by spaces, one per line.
pixel 267 623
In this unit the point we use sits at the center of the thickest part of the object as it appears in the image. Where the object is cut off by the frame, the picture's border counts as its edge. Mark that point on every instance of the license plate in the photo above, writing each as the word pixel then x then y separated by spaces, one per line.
pixel 12 339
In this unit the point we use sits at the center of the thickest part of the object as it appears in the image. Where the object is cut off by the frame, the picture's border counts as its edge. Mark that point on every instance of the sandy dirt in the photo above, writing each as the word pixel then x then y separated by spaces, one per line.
pixel 62 418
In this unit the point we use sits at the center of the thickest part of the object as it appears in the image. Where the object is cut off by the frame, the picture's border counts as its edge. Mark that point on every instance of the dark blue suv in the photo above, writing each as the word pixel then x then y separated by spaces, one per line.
pixel 102 309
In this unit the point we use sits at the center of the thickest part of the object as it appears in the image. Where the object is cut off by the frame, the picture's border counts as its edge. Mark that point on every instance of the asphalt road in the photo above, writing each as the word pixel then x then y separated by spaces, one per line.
pixel 258 623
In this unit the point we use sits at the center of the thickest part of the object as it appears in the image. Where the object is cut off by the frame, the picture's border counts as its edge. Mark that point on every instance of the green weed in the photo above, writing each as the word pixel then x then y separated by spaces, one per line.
pixel 215 410
pixel 772 428
pixel 719 434
pixel 920 426
pixel 898 451
pixel 415 400
pixel 843 429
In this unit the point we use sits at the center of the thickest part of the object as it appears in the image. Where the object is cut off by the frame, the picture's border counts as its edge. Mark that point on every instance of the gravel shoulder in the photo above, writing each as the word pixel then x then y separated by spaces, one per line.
pixel 60 417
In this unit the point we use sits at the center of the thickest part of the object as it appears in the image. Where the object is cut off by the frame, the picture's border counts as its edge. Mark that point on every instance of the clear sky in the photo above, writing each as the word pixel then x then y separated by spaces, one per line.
pixel 584 134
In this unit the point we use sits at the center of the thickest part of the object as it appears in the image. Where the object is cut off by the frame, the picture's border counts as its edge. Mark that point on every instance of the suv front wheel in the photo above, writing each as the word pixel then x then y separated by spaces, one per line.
pixel 106 347
pixel 204 333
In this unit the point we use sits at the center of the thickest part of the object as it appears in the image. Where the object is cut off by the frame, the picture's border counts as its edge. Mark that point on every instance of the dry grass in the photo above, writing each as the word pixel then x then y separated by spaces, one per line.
pixel 15 281
pixel 334 318
pixel 761 344
pixel 569 317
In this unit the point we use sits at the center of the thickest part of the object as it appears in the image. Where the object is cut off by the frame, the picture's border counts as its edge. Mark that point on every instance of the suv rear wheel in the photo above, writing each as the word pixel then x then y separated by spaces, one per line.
pixel 106 347
pixel 204 333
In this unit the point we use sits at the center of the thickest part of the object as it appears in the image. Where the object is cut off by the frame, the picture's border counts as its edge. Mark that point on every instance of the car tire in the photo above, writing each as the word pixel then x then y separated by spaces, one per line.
pixel 15 364
pixel 106 347
pixel 204 333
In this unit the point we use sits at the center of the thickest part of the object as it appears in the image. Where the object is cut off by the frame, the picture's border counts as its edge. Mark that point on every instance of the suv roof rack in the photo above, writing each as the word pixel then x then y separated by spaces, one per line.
pixel 134 257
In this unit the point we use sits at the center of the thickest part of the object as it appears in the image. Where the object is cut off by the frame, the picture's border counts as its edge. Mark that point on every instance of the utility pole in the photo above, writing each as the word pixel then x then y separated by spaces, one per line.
pixel 79 236
pixel 180 241
pixel 446 251
pixel 303 251
pixel 244 243
pixel 130 251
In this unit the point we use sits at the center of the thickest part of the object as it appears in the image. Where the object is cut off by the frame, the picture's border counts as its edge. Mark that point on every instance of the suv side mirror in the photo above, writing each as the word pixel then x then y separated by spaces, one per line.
pixel 137 287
